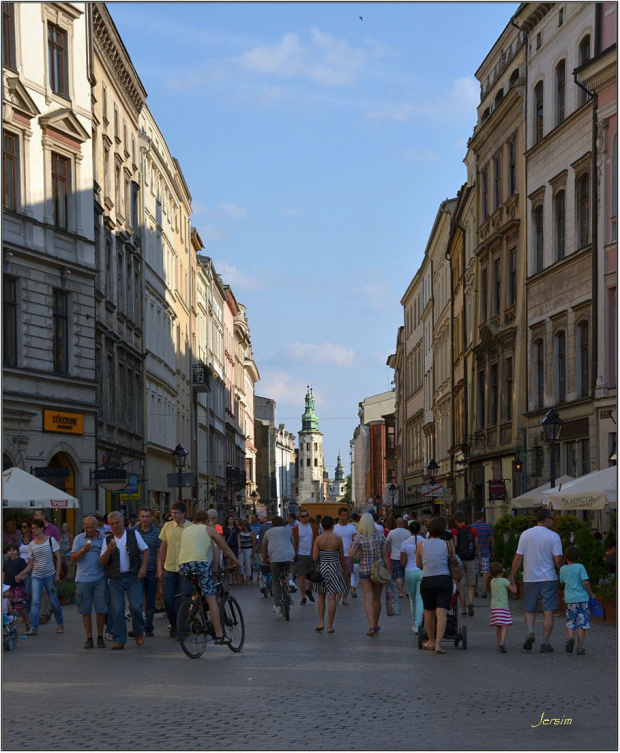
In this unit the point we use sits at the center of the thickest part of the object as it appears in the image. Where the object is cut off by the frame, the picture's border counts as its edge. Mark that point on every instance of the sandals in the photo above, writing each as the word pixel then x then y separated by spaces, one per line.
pixel 60 629
pixel 319 629
pixel 372 632
pixel 222 640
pixel 428 646
pixel 30 631
pixel 331 631
pixel 439 651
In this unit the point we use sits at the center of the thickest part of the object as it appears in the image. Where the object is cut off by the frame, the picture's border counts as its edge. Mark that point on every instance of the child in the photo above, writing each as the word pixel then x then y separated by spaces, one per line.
pixel 577 592
pixel 500 612
pixel 11 567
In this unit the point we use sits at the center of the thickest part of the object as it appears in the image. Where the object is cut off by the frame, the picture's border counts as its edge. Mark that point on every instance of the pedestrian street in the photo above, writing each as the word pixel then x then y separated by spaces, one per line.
pixel 291 688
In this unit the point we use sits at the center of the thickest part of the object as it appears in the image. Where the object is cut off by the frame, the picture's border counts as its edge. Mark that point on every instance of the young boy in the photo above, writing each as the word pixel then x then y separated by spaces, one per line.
pixel 500 611
pixel 11 567
pixel 577 592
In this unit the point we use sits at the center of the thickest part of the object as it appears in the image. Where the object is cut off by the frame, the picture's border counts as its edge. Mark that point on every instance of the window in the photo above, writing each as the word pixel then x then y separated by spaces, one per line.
pixel 584 357
pixel 8 35
pixel 537 222
pixel 561 17
pixel 560 366
pixel 60 346
pixel 613 210
pixel 508 389
pixel 584 56
pixel 104 102
pixel 10 170
pixel 583 210
pixel 512 277
pixel 560 90
pixel 512 167
pixel 481 396
pixel 493 397
pixel 60 190
pixel 135 200
pixel 316 462
pixel 538 40
pixel 497 176
pixel 539 373
pixel 497 286
pixel 559 211
pixel 116 131
pixel 111 386
pixel 538 112
pixel 484 292
pixel 485 194
pixel 308 462
pixel 57 59
pixel 9 320
pixel 106 171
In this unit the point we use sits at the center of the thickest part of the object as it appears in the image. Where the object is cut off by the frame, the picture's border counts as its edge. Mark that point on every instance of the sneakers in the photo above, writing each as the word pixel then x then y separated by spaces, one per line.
pixel 149 633
pixel 292 585
pixel 470 609
pixel 309 595
pixel 89 643
pixel 173 632
pixel 569 645
pixel 108 636
pixel 100 642
pixel 414 630
pixel 502 648
pixel 277 610
pixel 580 651
pixel 303 602
pixel 529 641
pixel 546 648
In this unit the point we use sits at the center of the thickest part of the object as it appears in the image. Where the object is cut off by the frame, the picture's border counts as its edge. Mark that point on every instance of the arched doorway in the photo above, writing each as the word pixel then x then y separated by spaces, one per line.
pixel 66 481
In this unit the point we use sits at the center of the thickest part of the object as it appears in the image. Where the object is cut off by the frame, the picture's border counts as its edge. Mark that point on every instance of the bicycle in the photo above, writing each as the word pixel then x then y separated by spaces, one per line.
pixel 285 599
pixel 194 627
pixel 267 580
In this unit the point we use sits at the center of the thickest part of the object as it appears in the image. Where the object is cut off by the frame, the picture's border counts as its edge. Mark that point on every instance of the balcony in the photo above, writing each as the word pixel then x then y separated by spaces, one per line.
pixel 201 378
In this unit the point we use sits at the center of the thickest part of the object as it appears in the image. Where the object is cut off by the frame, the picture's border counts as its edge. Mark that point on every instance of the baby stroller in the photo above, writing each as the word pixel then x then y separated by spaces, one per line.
pixel 458 635
pixel 9 622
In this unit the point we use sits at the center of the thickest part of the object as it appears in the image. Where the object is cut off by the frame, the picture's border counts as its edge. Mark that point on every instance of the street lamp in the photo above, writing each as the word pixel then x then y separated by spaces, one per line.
pixel 431 470
pixel 392 490
pixel 552 425
pixel 254 496
pixel 377 500
pixel 180 458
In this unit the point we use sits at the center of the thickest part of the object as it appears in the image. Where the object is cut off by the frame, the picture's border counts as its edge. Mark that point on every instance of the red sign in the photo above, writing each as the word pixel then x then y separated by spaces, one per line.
pixel 497 490
pixel 59 503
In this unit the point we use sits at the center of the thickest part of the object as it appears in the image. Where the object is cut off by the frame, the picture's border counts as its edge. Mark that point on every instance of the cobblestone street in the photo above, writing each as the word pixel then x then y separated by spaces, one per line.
pixel 293 689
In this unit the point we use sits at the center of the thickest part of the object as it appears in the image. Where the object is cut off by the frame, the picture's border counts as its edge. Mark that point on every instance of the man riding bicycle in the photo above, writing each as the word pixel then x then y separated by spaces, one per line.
pixel 195 556
pixel 278 549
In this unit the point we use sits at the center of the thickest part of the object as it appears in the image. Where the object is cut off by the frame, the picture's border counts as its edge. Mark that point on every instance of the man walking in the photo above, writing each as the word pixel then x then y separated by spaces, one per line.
pixel 175 586
pixel 120 557
pixel 90 580
pixel 50 528
pixel 394 542
pixel 540 551
pixel 303 538
pixel 468 549
pixel 486 543
pixel 150 534
pixel 346 530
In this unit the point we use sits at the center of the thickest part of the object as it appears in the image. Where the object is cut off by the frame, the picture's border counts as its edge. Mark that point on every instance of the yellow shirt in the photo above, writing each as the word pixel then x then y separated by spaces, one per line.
pixel 171 533
pixel 195 545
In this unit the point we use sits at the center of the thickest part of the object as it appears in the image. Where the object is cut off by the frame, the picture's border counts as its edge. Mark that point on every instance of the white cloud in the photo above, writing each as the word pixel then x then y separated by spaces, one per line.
pixel 237 278
pixel 280 386
pixel 233 209
pixel 420 156
pixel 459 99
pixel 293 212
pixel 325 354
pixel 211 233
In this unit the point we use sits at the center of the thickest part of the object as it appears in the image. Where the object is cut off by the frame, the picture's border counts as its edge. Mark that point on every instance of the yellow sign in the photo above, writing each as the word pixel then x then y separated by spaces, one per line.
pixel 64 423
pixel 136 495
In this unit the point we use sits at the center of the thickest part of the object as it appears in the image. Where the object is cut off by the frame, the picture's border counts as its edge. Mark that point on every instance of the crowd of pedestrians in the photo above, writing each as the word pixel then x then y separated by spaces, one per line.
pixel 123 572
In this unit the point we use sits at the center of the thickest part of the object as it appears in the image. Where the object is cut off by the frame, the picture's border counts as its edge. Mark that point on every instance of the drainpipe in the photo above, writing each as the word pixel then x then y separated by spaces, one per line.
pixel 143 151
pixel 594 212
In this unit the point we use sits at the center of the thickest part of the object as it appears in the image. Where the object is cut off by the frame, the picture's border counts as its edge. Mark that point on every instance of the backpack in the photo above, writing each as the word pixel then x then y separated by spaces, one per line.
pixel 465 547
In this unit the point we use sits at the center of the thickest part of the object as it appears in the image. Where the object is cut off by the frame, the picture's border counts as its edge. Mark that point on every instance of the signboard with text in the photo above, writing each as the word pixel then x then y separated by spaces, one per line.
pixel 63 423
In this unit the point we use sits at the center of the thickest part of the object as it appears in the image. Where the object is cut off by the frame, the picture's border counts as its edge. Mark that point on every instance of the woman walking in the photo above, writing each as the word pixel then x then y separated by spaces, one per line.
pixel 44 563
pixel 436 586
pixel 232 538
pixel 329 552
pixel 369 548
pixel 413 574
pixel 245 554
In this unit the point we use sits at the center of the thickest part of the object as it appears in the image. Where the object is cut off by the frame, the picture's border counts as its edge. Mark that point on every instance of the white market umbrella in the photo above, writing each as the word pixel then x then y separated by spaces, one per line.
pixel 534 497
pixel 590 492
pixel 21 489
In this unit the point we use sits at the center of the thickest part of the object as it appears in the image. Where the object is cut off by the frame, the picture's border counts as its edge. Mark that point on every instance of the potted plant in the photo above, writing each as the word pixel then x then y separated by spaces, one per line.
pixel 65 590
pixel 606 592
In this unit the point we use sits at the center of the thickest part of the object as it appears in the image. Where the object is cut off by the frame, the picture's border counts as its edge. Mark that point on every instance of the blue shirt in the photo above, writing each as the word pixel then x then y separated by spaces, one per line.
pixel 484 531
pixel 573 576
pixel 88 567
pixel 152 540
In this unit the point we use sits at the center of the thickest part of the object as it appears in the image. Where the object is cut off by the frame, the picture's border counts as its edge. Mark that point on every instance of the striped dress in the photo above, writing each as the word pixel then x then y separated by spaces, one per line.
pixel 500 613
pixel 329 567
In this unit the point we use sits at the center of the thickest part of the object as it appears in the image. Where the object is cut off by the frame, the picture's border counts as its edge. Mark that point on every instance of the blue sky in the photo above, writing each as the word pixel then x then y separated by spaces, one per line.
pixel 317 148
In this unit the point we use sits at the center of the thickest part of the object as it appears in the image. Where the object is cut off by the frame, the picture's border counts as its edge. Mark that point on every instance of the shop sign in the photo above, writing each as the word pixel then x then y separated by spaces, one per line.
pixel 63 423
pixel 497 490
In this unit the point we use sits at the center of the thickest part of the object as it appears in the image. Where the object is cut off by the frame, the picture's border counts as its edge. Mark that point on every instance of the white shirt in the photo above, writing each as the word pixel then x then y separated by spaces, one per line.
pixel 396 539
pixel 346 533
pixel 538 546
pixel 409 547
pixel 379 528
pixel 122 549
pixel 304 543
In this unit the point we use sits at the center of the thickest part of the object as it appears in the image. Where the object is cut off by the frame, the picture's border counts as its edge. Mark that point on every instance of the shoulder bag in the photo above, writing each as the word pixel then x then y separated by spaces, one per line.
pixel 314 574
pixel 454 563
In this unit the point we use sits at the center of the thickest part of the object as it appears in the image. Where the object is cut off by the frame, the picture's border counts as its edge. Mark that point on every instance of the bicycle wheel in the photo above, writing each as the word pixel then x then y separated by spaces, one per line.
pixel 233 623
pixel 191 628
pixel 285 602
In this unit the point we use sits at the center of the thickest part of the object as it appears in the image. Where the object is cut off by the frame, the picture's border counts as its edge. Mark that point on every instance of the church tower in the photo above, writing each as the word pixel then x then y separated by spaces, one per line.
pixel 310 455
pixel 338 487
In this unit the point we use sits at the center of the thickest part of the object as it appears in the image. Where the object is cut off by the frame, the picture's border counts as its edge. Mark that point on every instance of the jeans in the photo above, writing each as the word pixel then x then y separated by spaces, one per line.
pixel 149 590
pixel 413 578
pixel 246 560
pixel 38 584
pixel 126 583
pixel 175 588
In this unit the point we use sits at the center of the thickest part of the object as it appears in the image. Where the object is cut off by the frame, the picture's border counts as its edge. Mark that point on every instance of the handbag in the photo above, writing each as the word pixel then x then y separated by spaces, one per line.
pixel 380 574
pixel 456 568
pixel 314 574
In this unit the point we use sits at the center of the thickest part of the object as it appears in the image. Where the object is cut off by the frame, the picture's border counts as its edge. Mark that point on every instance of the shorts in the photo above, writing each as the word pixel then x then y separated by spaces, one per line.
pixel 578 616
pixel 92 593
pixel 436 592
pixel 470 571
pixel 349 566
pixel 398 571
pixel 303 563
pixel 203 574
pixel 547 589
pixel 485 563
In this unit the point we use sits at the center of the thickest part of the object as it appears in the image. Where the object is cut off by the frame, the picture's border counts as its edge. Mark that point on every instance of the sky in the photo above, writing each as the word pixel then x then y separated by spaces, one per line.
pixel 317 141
